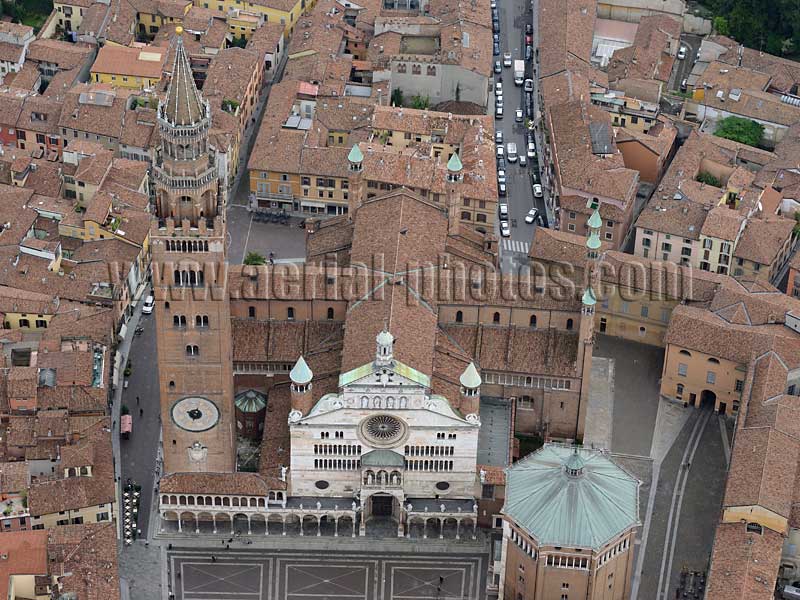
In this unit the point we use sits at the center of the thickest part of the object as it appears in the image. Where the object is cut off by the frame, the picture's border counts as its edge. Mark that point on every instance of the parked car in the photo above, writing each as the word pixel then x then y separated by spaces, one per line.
pixel 501 152
pixel 518 117
pixel 529 85
pixel 493 4
pixel 496 49
pixel 501 163
pixel 531 216
pixel 528 28
pixel 535 174
pixel 498 100
pixel 682 53
pixel 501 176
pixel 684 84
pixel 505 229
pixel 507 59
pixel 537 190
pixel 503 211
pixel 498 136
pixel 147 307
pixel 501 189
pixel 531 152
pixel 523 160
pixel 528 53
pixel 498 111
pixel 495 25
pixel 498 68
pixel 498 87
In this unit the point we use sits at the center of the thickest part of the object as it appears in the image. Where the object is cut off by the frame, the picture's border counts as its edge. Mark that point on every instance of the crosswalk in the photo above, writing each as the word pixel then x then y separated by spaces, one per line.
pixel 516 246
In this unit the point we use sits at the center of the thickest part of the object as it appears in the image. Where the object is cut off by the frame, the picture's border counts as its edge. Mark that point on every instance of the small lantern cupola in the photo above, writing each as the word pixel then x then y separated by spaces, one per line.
pixel 301 376
pixel 470 381
pixel 355 158
pixel 384 348
pixel 574 465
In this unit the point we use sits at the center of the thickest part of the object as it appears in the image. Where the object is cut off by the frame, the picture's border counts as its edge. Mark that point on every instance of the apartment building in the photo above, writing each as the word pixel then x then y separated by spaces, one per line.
pixel 14 41
pixel 135 68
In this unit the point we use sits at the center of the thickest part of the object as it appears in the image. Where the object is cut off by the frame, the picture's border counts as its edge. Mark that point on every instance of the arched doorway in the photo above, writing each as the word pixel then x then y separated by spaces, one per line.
pixel 708 400
pixel 381 505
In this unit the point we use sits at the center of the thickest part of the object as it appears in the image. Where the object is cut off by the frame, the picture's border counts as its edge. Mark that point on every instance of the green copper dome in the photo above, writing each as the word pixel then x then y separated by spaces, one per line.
pixel 595 221
pixel 250 401
pixel 355 155
pixel 593 243
pixel 588 297
pixel 454 164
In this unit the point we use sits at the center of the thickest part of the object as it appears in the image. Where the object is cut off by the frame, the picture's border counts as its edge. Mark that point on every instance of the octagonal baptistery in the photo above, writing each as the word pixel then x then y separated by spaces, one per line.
pixel 570 520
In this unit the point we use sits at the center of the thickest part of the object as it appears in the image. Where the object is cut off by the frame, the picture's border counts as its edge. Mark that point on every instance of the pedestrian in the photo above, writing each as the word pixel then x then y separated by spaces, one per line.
pixel 213 558
pixel 141 412
pixel 137 400
pixel 227 546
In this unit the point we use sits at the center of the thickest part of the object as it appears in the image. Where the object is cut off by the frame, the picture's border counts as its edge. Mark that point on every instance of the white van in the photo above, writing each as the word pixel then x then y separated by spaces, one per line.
pixel 511 152
pixel 147 307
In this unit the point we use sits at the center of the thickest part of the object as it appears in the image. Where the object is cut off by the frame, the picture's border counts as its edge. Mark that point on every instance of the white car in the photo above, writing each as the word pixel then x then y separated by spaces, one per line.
pixel 498 111
pixel 531 150
pixel 505 229
pixel 498 88
pixel 493 4
pixel 529 85
pixel 507 59
pixel 498 137
pixel 498 100
pixel 147 307
pixel 518 115
pixel 503 212
pixel 523 160
pixel 682 53
pixel 531 216
pixel 501 176
pixel 537 190
pixel 500 151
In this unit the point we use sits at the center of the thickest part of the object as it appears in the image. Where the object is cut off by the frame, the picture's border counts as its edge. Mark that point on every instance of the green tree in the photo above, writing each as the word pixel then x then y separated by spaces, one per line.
pixel 397 97
pixel 708 179
pixel 420 102
pixel 721 26
pixel 740 130
pixel 254 258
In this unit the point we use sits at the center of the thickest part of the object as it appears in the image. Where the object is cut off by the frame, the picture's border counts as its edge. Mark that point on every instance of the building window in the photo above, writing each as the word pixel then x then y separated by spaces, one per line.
pixel 679 391
pixel 459 316
pixel 290 313
pixel 739 386
pixel 487 492
pixel 330 313
pixel 570 323
pixel 645 310
pixel 711 377
pixel 251 312
pixel 496 317
pixel 192 350
pixel 532 322
pixel 683 369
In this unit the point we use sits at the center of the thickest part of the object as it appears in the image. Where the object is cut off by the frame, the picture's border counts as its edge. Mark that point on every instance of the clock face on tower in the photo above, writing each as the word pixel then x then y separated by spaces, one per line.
pixel 195 413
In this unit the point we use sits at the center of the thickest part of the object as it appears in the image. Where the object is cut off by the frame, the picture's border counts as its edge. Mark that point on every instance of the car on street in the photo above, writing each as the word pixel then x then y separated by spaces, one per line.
pixel 531 152
pixel 518 115
pixel 535 175
pixel 498 101
pixel 498 87
pixel 528 85
pixel 531 216
pixel 505 229
pixel 528 53
pixel 537 190
pixel 507 59
pixel 503 211
pixel 147 307
pixel 498 136
pixel 501 163
pixel 501 152
pixel 501 176
pixel 498 111
pixel 496 49
pixel 523 160
pixel 682 53
pixel 529 39
pixel 501 189
pixel 528 28
pixel 493 4
pixel 511 152
pixel 498 67
pixel 495 25
pixel 684 84
pixel 496 37
pixel 495 14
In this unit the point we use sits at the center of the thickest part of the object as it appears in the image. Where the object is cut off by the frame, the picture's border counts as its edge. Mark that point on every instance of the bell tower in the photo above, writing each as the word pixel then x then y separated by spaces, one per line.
pixel 192 308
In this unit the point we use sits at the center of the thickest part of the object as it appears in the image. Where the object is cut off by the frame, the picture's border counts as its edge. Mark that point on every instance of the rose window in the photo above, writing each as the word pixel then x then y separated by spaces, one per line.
pixel 383 430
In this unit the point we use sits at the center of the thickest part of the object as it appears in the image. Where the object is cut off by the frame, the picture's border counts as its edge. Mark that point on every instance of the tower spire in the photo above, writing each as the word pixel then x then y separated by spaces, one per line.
pixel 184 105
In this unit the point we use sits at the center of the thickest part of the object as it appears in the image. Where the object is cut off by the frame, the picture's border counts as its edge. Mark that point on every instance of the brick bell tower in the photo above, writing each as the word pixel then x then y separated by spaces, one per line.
pixel 192 307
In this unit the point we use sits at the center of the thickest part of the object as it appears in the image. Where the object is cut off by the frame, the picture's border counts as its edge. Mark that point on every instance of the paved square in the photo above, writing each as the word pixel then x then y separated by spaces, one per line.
pixel 314 575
